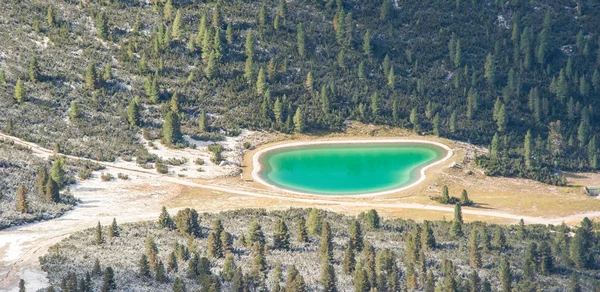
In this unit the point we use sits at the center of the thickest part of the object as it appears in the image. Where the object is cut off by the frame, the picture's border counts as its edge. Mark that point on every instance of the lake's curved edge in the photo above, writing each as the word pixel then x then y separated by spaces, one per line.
pixel 257 167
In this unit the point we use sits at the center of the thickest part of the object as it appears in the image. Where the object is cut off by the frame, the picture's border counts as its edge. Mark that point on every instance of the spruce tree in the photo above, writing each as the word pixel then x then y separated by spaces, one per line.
pixel 356 237
pixel 229 34
pixel 175 107
pixel 281 236
pixel 108 281
pixel 113 229
pixel 171 129
pixel 427 238
pixel 314 221
pixel 505 275
pixel 19 91
pixel 238 284
pixel 474 253
pixel 133 113
pixel 101 26
pixel 464 198
pixel 349 261
pixel 325 243
pixel 151 251
pixel 301 40
pixel 91 79
pixel 445 195
pixel 414 120
pixel 367 44
pixel 261 82
pixel 299 121
pixel 177 26
pixel 161 274
pixel 499 239
pixel 107 72
pixel 327 278
pixel 144 268
pixel 99 239
pixel 51 191
pixel 34 70
pixel 458 222
pixel 42 180
pixel 255 234
pixel 229 268
pixel 164 220
pixel 22 202
pixel 178 285
pixel 309 83
pixel 490 69
pixel 97 269
pixel 302 234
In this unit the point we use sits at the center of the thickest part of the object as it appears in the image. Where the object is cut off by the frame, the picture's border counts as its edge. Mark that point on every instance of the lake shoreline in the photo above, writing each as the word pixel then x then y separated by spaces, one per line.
pixel 257 166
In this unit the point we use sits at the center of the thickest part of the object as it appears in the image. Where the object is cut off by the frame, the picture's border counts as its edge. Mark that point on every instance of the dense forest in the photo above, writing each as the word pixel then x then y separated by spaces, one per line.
pixel 314 250
pixel 520 77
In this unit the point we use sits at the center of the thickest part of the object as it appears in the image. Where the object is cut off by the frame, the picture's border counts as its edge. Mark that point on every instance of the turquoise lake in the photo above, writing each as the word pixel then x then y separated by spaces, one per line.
pixel 347 169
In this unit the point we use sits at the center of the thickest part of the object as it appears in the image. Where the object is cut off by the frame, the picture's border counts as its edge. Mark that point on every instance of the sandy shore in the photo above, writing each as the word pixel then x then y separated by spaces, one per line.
pixel 256 165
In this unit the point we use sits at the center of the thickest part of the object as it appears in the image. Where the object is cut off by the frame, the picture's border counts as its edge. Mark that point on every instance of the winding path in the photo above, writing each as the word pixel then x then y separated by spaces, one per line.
pixel 21 246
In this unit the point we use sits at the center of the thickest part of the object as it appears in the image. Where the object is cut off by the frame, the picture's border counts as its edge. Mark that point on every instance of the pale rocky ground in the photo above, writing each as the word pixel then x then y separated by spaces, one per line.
pixel 142 195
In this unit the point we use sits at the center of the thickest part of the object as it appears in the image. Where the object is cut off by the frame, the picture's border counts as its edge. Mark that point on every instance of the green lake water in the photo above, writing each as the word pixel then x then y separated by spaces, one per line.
pixel 347 169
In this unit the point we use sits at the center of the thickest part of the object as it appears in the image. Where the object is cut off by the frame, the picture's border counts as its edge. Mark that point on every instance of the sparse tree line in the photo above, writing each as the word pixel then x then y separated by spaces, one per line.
pixel 308 250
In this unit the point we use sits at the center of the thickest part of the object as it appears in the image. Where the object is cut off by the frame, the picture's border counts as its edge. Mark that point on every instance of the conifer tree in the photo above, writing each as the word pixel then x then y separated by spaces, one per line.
pixel 490 69
pixel 281 236
pixel 42 180
pixel 178 285
pixel 583 131
pixel 51 191
pixel 299 121
pixel 499 239
pixel 356 237
pixel 164 220
pixel 91 79
pixel 50 17
pixel 238 283
pixel 151 251
pixel 505 275
pixel 249 70
pixel 175 107
pixel 327 278
pixel 502 119
pixel 302 235
pixel 113 229
pixel 144 268
pixel 19 91
pixel 133 113
pixel 108 281
pixel 314 222
pixel 261 82
pixel 391 78
pixel 464 198
pixel 171 129
pixel 367 44
pixel 349 260
pixel 255 234
pixel 177 26
pixel 34 70
pixel 229 34
pixel 99 236
pixel 172 265
pixel 211 69
pixel 300 38
pixel 427 238
pixel 309 83
pixel 414 120
pixel 474 253
pixel 22 202
pixel 229 268
pixel 74 111
pixel 325 243
pixel 361 281
pixel 458 222
pixel 445 195
pixel 101 27
pixel 161 274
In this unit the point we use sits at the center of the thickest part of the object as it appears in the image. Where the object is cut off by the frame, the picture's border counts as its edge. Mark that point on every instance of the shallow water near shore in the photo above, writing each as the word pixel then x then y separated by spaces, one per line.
pixel 347 169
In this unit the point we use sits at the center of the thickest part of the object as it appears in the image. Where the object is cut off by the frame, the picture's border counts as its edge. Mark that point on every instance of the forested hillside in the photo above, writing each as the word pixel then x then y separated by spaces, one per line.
pixel 521 77
pixel 310 250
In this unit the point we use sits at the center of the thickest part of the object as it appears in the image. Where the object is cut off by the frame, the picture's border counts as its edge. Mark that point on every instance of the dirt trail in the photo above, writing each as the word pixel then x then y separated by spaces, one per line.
pixel 21 246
